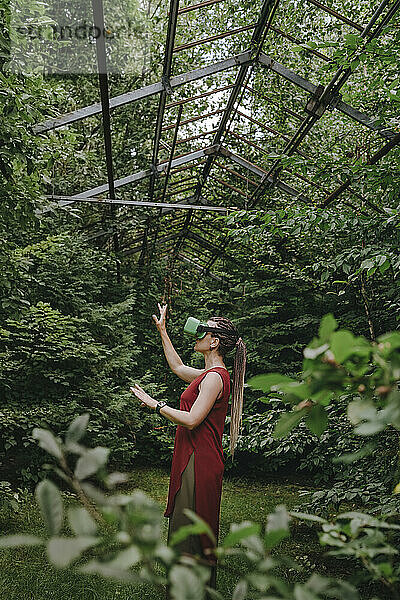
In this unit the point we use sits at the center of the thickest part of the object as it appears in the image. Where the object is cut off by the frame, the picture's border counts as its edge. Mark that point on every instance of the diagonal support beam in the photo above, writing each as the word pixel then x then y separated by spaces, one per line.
pixel 334 13
pixel 262 173
pixel 198 267
pixel 262 23
pixel 304 84
pixel 209 246
pixel 372 161
pixel 136 177
pixel 144 92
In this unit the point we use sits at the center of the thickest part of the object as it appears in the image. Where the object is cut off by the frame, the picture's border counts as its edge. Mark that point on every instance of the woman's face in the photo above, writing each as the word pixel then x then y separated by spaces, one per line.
pixel 203 345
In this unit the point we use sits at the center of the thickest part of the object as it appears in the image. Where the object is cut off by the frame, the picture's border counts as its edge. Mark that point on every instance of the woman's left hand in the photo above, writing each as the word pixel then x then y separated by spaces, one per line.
pixel 141 395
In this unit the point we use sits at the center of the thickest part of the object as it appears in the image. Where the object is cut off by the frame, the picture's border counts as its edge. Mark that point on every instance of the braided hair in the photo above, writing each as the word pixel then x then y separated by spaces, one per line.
pixel 229 340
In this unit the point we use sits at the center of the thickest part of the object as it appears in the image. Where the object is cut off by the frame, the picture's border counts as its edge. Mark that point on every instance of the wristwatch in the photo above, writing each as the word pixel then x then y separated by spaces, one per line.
pixel 159 405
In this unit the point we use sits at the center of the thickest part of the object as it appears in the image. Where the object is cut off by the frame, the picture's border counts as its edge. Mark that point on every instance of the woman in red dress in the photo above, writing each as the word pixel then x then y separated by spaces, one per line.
pixel 198 461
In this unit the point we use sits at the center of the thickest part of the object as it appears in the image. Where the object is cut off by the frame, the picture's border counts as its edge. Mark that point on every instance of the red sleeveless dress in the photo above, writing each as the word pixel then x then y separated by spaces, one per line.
pixel 206 443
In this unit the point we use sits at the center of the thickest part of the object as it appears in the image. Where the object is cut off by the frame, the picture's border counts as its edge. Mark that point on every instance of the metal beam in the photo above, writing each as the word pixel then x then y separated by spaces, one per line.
pixel 144 92
pixel 197 267
pixel 136 176
pixel 199 5
pixel 299 42
pixel 269 99
pixel 192 119
pixel 263 21
pixel 372 161
pixel 235 173
pixel 262 173
pixel 304 84
pixel 230 186
pixel 168 171
pixel 256 42
pixel 280 184
pixel 209 246
pixel 324 96
pixel 199 96
pixel 336 14
pixel 212 38
pixel 169 48
pixel 139 248
pixel 266 127
pixel 98 19
pixel 118 202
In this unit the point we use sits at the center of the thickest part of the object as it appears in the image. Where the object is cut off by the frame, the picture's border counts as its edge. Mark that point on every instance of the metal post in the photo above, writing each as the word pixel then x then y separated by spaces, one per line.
pixel 178 120
pixel 98 17
pixel 169 48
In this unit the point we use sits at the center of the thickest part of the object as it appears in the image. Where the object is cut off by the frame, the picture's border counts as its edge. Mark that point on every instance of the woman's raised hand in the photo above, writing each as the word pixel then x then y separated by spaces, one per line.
pixel 141 395
pixel 160 322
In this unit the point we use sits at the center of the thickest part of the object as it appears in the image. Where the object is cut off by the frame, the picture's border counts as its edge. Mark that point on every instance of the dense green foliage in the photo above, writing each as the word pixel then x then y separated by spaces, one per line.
pixel 126 529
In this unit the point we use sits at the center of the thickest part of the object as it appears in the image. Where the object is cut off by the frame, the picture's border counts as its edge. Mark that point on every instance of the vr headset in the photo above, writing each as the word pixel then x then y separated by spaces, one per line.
pixel 197 329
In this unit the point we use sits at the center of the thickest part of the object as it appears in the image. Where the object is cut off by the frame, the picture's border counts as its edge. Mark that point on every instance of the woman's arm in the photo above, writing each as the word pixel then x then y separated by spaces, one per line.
pixel 174 360
pixel 210 388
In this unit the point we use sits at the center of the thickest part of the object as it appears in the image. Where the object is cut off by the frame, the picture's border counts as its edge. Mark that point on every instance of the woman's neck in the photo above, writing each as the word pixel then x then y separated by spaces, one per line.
pixel 213 361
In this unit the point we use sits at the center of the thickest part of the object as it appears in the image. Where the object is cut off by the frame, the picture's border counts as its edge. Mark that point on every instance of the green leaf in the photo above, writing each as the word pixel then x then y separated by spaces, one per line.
pixel 240 532
pixel 185 584
pixel 390 342
pixel 327 326
pixel 313 353
pixel 213 594
pixel 49 499
pixel 196 519
pixel 302 593
pixel 277 527
pixel 11 541
pixel 299 389
pixel 342 344
pixel 307 517
pixel 81 522
pixel 266 382
pixel 198 527
pixel 384 266
pixel 287 422
pixel 351 457
pixel 166 554
pixel 260 581
pixel 351 40
pixel 317 420
pixel 361 410
pixel 126 558
pixel 115 478
pixel 369 428
pixel 47 441
pixel 90 462
pixel 62 550
pixel 95 567
pixel 240 591
pixel 77 429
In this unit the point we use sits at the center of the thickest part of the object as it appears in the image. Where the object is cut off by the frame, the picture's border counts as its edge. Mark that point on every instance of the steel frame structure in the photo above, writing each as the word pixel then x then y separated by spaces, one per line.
pixel 218 153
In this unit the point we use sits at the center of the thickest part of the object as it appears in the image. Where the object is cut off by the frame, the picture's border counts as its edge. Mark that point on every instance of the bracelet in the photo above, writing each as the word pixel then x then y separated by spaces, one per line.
pixel 159 406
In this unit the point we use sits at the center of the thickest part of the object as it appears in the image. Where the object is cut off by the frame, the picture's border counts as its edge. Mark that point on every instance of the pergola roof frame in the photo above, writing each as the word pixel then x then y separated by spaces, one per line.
pixel 322 99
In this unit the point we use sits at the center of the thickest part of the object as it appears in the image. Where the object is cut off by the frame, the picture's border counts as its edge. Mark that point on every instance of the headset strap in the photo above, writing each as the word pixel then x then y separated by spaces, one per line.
pixel 202 328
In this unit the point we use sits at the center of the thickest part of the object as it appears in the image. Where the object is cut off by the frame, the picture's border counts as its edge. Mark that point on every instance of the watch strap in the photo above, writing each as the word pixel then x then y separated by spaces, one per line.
pixel 159 406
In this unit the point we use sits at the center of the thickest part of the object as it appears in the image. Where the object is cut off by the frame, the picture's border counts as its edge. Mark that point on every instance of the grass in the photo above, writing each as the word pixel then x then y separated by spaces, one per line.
pixel 25 573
